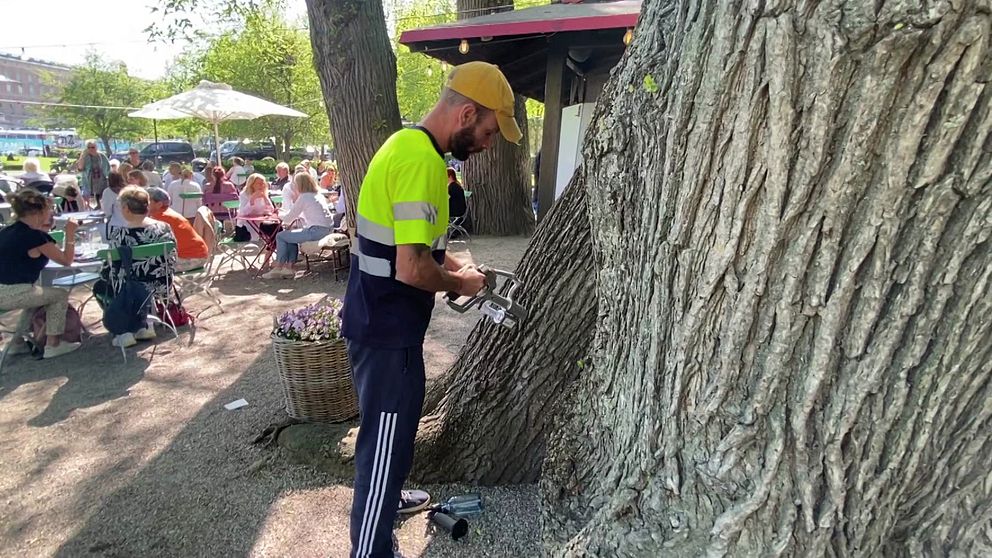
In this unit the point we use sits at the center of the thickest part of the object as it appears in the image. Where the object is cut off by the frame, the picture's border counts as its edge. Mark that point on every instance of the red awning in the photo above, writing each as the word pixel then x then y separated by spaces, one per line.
pixel 539 20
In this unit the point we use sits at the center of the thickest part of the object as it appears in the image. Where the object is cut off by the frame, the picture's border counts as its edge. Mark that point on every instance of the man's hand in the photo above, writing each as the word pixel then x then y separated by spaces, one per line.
pixel 470 279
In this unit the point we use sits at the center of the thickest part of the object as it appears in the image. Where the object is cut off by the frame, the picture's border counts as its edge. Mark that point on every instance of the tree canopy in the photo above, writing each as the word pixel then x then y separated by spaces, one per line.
pixel 419 78
pixel 102 83
pixel 268 57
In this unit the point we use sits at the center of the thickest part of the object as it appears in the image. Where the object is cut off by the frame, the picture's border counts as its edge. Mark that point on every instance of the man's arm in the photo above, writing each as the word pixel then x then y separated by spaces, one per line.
pixel 453 264
pixel 416 267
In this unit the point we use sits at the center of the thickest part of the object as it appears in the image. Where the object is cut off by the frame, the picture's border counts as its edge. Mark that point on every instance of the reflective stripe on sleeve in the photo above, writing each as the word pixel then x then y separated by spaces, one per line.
pixel 376 232
pixel 411 211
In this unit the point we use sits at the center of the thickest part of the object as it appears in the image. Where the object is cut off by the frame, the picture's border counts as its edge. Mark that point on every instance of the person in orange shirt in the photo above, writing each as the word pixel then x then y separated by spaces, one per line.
pixel 190 248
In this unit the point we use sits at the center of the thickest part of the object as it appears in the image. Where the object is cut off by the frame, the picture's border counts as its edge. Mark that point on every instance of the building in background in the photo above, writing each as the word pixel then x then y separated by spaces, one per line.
pixel 26 80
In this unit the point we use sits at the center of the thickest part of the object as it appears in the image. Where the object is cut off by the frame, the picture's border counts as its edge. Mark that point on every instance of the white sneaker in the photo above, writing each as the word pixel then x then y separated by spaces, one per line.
pixel 124 340
pixel 274 273
pixel 145 333
pixel 62 348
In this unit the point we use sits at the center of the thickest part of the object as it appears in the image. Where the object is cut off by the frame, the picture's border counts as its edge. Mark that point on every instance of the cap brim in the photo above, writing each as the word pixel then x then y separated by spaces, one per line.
pixel 508 127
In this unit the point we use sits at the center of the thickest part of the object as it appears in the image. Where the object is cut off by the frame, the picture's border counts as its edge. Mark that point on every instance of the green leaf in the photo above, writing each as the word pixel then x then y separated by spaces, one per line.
pixel 649 84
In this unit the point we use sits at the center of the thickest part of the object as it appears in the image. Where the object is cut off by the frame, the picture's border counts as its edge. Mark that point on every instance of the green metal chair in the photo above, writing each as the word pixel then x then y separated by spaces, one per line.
pixel 145 252
pixel 232 250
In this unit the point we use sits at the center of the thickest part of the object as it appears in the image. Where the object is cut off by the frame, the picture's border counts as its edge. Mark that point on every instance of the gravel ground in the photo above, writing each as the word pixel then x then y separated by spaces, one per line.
pixel 103 458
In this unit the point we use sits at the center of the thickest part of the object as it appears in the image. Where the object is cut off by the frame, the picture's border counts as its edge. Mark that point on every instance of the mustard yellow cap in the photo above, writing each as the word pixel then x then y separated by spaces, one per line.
pixel 485 84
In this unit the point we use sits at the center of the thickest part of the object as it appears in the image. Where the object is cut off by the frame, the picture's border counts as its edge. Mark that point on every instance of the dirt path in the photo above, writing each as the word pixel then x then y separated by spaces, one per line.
pixel 103 458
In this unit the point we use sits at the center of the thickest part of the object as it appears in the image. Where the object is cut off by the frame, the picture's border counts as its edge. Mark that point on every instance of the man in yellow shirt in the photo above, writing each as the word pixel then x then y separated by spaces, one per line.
pixel 399 263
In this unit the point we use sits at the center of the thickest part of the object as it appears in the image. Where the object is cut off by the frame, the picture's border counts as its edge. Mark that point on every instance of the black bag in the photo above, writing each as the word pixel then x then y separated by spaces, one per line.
pixel 241 234
pixel 127 311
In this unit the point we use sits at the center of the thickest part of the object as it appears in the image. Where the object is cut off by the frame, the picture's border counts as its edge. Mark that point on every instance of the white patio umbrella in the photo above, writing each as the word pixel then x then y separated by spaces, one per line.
pixel 215 103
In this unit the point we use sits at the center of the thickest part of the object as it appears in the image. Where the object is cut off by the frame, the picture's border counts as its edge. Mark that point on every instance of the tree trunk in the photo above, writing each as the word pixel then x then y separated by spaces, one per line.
pixel 792 275
pixel 793 288
pixel 499 178
pixel 485 419
pixel 107 146
pixel 357 71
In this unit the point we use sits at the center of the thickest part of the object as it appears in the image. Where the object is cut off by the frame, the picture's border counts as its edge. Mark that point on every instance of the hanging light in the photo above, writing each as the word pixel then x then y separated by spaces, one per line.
pixel 628 36
pixel 463 46
pixel 444 66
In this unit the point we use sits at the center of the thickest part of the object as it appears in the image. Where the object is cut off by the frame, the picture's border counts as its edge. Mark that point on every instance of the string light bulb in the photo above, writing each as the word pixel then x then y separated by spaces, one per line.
pixel 628 36
pixel 444 66
pixel 463 46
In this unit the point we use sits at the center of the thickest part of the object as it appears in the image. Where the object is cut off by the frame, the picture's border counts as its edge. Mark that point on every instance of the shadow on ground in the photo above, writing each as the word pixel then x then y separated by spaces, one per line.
pixel 83 387
pixel 208 492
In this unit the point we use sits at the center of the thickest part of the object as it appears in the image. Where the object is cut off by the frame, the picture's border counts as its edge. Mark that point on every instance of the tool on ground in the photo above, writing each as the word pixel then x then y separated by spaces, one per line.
pixel 452 514
pixel 501 309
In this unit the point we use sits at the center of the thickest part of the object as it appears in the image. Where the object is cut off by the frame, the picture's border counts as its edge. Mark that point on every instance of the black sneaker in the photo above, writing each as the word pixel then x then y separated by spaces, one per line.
pixel 412 501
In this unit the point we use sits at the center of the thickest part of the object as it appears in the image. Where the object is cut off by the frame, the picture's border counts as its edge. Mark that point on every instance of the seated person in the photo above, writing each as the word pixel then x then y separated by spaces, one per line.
pixel 289 193
pixel 312 208
pixel 282 176
pixel 185 185
pixel 137 178
pixel 25 249
pixel 111 208
pixel 72 200
pixel 151 177
pixel 254 202
pixel 237 172
pixel 155 272
pixel 173 174
pixel 33 178
pixel 456 196
pixel 219 185
pixel 457 207
pixel 191 250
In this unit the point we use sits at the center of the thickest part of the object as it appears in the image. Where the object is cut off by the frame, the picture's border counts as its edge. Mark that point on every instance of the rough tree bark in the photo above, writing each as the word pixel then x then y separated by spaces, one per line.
pixel 499 177
pixel 792 355
pixel 357 70
pixel 485 419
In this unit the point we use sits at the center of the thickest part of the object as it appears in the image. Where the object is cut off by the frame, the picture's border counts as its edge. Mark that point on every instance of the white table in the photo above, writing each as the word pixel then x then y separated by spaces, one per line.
pixel 81 217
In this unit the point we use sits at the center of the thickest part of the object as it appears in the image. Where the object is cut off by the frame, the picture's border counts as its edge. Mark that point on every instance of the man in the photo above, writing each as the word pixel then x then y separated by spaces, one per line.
pixel 153 178
pixel 310 169
pixel 191 250
pixel 95 168
pixel 134 157
pixel 136 178
pixel 398 265
pixel 282 176
pixel 173 174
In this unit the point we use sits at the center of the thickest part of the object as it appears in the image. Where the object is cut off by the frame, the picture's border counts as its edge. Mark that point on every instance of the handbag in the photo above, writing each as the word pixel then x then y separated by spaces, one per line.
pixel 174 313
pixel 73 332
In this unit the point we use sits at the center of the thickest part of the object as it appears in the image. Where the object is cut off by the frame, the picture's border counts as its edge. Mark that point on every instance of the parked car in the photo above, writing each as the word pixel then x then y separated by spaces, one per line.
pixel 164 152
pixel 246 149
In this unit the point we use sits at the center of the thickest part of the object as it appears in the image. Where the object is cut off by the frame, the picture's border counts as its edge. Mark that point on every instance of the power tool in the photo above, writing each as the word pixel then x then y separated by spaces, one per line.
pixel 501 309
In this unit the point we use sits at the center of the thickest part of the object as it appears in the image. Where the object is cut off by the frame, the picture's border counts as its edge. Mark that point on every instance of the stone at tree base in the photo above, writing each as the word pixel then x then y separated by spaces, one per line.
pixel 328 447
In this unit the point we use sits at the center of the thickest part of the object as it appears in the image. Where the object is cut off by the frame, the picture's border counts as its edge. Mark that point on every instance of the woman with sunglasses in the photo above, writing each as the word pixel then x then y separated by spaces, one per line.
pixel 95 168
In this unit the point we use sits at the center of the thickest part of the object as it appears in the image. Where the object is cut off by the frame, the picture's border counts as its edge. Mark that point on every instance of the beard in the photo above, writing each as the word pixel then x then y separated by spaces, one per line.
pixel 463 143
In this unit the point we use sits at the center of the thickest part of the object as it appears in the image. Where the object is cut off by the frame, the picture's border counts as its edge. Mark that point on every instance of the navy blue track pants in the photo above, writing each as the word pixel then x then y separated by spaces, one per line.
pixel 390 385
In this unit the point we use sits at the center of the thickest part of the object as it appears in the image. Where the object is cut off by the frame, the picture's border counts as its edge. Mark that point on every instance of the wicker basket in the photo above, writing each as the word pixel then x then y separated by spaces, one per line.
pixel 316 379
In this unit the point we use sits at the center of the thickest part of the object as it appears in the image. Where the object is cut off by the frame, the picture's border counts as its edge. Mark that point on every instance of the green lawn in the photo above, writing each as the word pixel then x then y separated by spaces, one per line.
pixel 18 163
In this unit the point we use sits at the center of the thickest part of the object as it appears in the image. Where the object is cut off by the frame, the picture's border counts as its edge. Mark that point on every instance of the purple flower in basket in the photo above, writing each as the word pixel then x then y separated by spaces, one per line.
pixel 314 322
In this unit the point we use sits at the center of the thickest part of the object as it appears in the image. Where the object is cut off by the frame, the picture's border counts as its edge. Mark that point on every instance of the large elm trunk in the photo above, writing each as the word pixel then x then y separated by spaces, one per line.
pixel 792 209
pixel 357 69
pixel 793 352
